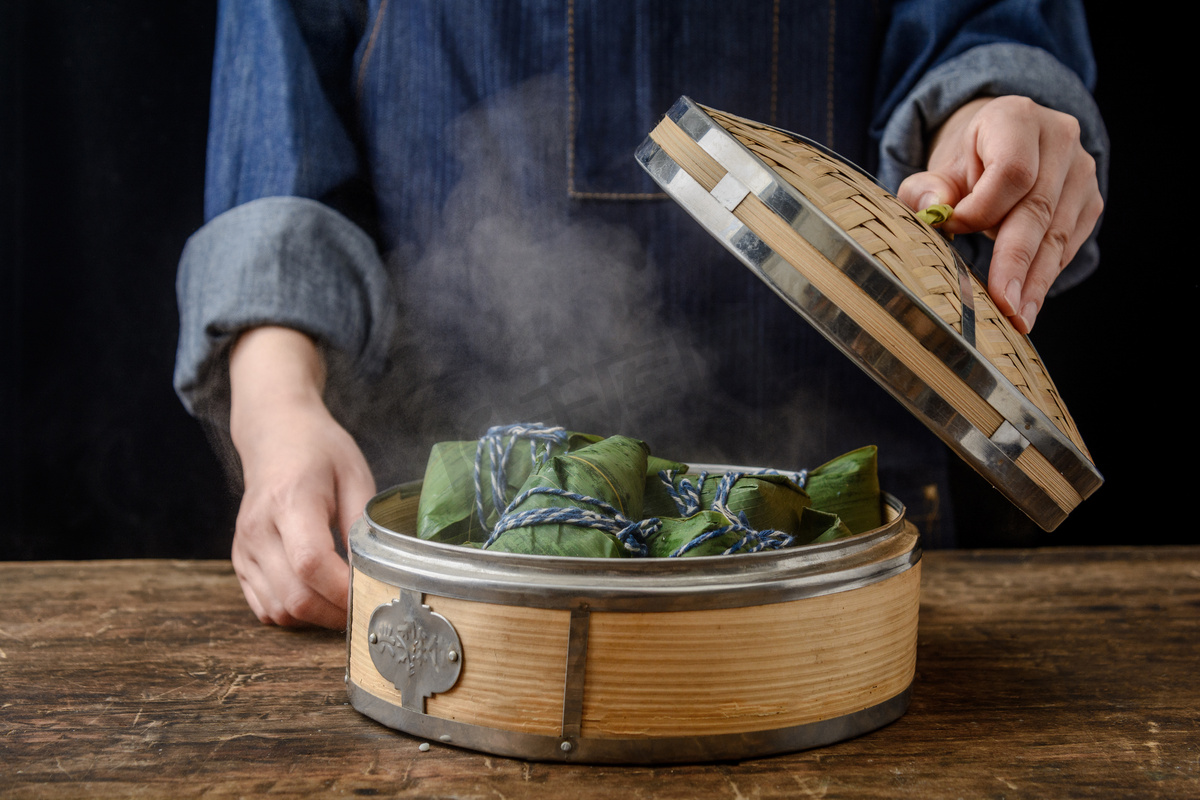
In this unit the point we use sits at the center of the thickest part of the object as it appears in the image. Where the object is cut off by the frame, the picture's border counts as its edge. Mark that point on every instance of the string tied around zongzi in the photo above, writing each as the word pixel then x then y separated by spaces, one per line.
pixel 687 494
pixel 799 478
pixel 752 540
pixel 758 510
pixel 631 533
pixel 498 444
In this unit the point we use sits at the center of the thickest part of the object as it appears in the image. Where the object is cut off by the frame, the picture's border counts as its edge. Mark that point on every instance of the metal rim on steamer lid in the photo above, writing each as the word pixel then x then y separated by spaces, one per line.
pixel 886 289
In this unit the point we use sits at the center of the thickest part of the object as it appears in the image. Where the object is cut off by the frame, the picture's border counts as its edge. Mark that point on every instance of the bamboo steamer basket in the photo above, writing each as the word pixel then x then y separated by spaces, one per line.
pixel 630 660
pixel 692 659
pixel 886 289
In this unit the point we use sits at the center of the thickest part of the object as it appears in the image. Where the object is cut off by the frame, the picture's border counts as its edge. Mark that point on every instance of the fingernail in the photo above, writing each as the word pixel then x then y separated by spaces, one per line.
pixel 1029 314
pixel 1013 293
pixel 929 199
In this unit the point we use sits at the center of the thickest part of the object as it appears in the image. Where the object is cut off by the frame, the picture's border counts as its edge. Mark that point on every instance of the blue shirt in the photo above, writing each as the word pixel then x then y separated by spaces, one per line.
pixel 443 194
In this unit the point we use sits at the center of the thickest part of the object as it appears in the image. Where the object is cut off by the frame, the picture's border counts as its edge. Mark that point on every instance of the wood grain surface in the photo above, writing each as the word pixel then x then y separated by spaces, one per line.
pixel 812 659
pixel 513 675
pixel 722 670
pixel 1055 673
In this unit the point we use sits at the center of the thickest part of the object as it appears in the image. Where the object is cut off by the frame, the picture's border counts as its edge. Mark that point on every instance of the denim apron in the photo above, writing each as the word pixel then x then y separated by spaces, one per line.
pixel 487 146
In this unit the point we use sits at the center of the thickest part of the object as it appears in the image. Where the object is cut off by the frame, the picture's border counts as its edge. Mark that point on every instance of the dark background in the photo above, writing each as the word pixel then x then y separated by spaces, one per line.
pixel 105 106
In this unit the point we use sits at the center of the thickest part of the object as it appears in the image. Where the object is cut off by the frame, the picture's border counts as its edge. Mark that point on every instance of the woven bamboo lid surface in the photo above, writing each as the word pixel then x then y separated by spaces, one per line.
pixel 885 288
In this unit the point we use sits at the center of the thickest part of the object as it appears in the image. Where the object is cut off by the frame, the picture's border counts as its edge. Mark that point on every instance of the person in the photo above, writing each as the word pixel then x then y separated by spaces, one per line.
pixel 424 217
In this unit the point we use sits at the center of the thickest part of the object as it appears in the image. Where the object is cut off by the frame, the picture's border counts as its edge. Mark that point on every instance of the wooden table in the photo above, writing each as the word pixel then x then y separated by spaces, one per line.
pixel 1054 673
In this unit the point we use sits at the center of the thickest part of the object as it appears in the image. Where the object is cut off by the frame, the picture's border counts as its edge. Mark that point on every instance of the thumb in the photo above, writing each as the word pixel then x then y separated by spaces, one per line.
pixel 924 189
pixel 355 486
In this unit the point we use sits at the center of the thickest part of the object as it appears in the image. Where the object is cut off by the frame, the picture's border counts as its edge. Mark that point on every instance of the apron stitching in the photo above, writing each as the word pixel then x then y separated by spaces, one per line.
pixel 362 68
pixel 774 114
pixel 572 113
pixel 829 75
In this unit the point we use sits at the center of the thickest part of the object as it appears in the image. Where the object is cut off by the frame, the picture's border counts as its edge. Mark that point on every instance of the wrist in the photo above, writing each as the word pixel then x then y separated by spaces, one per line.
pixel 272 371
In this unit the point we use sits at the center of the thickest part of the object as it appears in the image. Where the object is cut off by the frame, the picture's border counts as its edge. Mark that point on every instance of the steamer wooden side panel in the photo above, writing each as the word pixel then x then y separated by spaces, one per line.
pixel 673 674
pixel 739 670
pixel 642 660
pixel 513 668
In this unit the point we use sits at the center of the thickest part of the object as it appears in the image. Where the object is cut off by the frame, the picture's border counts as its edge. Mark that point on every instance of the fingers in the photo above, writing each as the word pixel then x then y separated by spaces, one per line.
pixel 954 166
pixel 286 562
pixel 924 189
pixel 1039 238
pixel 1020 174
pixel 1027 158
pixel 307 478
pixel 1010 167
pixel 355 486
pixel 294 606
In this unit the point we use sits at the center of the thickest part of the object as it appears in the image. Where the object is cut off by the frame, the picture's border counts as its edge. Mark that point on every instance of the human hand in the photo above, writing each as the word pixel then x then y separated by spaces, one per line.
pixel 1017 171
pixel 303 473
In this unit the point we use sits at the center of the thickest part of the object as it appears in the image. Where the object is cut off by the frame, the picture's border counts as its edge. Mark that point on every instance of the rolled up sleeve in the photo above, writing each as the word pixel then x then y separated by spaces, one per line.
pixel 284 261
pixel 994 70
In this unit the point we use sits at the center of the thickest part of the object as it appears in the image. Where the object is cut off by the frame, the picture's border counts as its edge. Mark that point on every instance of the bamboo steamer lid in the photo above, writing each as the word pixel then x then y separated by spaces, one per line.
pixel 886 289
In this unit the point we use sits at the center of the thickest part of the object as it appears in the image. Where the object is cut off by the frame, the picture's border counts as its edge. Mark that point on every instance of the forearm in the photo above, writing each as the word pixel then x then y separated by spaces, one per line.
pixel 280 261
pixel 303 476
pixel 271 368
pixel 993 71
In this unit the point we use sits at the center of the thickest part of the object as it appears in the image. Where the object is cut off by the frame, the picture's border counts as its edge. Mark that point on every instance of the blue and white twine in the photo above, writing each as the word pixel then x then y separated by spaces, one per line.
pixel 493 443
pixel 687 496
pixel 753 540
pixel 498 444
pixel 631 533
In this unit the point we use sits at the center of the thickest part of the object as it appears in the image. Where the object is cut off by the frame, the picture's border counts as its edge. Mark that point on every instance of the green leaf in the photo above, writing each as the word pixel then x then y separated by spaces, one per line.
pixel 559 540
pixel 770 502
pixel 842 498
pixel 820 526
pixel 848 486
pixel 678 531
pixel 612 470
pixel 446 511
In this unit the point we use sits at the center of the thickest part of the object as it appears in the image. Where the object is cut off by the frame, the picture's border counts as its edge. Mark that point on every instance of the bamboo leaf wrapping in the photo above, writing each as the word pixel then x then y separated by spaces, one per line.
pixel 446 512
pixel 849 487
pixel 612 470
pixel 617 479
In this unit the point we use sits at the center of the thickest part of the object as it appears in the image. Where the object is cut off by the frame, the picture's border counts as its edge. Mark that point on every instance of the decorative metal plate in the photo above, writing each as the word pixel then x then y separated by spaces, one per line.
pixel 414 648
